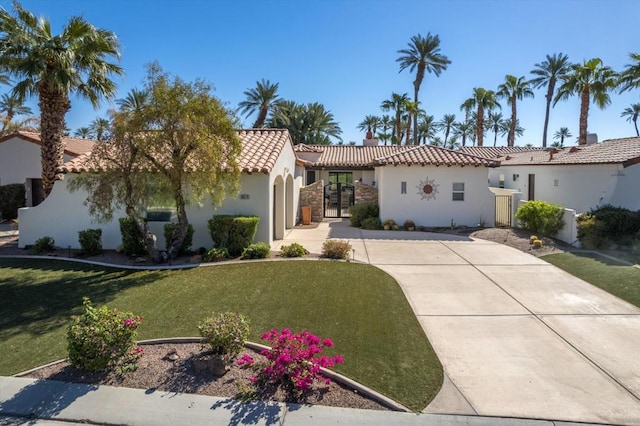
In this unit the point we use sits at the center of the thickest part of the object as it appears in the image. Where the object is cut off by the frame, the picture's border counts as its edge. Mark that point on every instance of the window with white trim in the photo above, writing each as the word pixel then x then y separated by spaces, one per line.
pixel 458 191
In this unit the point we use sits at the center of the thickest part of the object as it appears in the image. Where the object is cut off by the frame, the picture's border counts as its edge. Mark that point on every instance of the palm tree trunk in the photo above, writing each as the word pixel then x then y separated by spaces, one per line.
pixel 495 137
pixel 446 134
pixel 635 123
pixel 416 89
pixel 480 125
pixel 406 142
pixel 511 140
pixel 398 128
pixel 261 118
pixel 549 97
pixel 53 107
pixel 584 116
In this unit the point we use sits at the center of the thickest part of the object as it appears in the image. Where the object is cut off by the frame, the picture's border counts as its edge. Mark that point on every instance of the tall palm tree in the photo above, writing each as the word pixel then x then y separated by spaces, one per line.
pixel 482 100
pixel 514 89
pixel 423 54
pixel 463 131
pixel 82 132
pixel 592 81
pixel 261 98
pixel 100 129
pixel 308 124
pixel 398 104
pixel 632 114
pixel 630 77
pixel 134 101
pixel 386 123
pixel 548 72
pixel 370 124
pixel 412 111
pixel 452 144
pixel 10 106
pixel 495 122
pixel 561 135
pixel 54 66
pixel 426 128
pixel 446 124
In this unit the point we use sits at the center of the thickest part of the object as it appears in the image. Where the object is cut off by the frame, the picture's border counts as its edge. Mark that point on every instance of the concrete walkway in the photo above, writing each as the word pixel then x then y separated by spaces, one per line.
pixel 517 336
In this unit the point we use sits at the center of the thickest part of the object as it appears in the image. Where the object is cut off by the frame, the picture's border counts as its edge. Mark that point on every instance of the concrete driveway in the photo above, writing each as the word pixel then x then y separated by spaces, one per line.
pixel 517 336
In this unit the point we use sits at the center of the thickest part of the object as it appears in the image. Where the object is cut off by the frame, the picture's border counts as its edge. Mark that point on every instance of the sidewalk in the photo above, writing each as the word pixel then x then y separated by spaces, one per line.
pixel 27 401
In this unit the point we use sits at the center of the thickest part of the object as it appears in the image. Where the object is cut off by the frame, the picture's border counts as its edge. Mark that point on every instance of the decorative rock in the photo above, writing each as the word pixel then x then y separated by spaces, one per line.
pixel 172 355
pixel 120 249
pixel 140 260
pixel 210 363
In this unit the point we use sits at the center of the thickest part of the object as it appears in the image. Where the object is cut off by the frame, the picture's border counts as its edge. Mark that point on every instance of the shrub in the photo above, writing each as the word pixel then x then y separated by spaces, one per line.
pixel 336 249
pixel 608 225
pixel 256 251
pixel 225 333
pixel 233 232
pixel 293 362
pixel 371 223
pixel 90 241
pixel 102 338
pixel 537 243
pixel 171 232
pixel 133 238
pixel 215 254
pixel 44 245
pixel 541 217
pixel 12 197
pixel 359 212
pixel 293 250
pixel 409 225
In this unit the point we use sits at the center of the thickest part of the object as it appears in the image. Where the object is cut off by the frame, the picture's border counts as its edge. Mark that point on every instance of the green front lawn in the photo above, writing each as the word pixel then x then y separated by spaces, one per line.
pixel 358 306
pixel 619 280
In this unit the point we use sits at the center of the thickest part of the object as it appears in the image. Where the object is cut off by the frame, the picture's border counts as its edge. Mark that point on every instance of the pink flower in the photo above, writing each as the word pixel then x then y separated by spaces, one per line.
pixel 138 351
pixel 327 343
pixel 245 360
pixel 338 359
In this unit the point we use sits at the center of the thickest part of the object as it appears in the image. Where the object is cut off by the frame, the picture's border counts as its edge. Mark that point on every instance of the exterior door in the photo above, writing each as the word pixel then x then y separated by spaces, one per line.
pixel 338 198
pixel 37 193
pixel 532 187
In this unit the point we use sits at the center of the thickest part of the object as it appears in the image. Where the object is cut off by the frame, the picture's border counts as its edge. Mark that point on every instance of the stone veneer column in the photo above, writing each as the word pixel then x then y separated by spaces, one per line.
pixel 313 195
pixel 365 193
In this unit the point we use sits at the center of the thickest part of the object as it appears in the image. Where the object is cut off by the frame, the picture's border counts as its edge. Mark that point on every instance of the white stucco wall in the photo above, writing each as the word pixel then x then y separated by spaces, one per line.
pixel 579 187
pixel 20 160
pixel 478 204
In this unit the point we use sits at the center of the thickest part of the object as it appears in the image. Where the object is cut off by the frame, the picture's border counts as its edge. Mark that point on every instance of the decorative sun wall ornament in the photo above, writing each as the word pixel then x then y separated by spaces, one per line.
pixel 427 189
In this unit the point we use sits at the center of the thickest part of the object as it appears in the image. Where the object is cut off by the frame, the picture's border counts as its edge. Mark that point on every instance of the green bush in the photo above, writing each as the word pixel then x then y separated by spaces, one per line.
pixel 233 232
pixel 44 245
pixel 171 232
pixel 133 238
pixel 225 333
pixel 371 223
pixel 336 249
pixel 12 197
pixel 541 217
pixel 360 212
pixel 90 241
pixel 101 338
pixel 256 251
pixel 608 225
pixel 409 225
pixel 216 254
pixel 293 250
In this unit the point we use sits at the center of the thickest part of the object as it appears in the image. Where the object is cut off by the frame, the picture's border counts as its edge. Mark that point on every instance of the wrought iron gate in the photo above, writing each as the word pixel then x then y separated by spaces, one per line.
pixel 338 197
pixel 503 211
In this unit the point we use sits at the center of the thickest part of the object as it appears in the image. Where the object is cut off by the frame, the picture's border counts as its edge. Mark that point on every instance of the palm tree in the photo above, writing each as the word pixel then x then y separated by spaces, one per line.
pixel 436 141
pixel 423 54
pixel 463 130
pixel 630 77
pixel 10 106
pixel 398 104
pixel 506 127
pixel 495 123
pixel 482 99
pixel 261 98
pixel 100 129
pixel 426 128
pixel 134 101
pixel 370 124
pixel 412 111
pixel 54 66
pixel 308 124
pixel 82 132
pixel 453 143
pixel 549 72
pixel 514 89
pixel 386 123
pixel 632 114
pixel 446 124
pixel 592 81
pixel 561 135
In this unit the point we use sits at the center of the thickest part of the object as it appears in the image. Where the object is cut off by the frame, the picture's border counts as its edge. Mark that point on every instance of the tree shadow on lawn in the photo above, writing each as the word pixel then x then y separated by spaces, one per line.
pixel 42 295
pixel 599 258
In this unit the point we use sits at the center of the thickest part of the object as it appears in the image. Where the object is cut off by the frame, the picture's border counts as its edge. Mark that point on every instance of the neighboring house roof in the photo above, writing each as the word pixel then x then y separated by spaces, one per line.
pixel 301 147
pixel 424 155
pixel 73 146
pixel 350 156
pixel 625 151
pixel 495 152
pixel 260 151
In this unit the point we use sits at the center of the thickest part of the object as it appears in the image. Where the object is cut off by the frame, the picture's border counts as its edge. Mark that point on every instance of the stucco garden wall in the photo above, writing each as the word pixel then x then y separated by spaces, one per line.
pixel 478 205
pixel 627 191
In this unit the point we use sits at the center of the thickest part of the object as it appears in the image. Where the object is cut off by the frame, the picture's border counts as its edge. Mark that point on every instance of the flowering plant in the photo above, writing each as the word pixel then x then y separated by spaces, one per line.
pixel 294 361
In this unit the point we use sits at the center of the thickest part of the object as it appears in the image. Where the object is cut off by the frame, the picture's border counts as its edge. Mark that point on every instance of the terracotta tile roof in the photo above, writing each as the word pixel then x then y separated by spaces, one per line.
pixel 424 155
pixel 495 152
pixel 73 146
pixel 301 147
pixel 353 155
pixel 260 151
pixel 625 151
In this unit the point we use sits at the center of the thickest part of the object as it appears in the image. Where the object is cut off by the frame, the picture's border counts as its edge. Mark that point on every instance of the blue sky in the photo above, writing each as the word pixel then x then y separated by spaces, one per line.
pixel 342 52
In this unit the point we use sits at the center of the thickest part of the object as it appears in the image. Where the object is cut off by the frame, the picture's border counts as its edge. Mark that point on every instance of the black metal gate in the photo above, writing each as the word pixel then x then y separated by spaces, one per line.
pixel 338 197
pixel 503 211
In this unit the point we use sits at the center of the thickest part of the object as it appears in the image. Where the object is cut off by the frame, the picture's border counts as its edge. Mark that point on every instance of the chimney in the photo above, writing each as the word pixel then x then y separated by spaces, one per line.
pixel 592 138
pixel 551 152
pixel 370 140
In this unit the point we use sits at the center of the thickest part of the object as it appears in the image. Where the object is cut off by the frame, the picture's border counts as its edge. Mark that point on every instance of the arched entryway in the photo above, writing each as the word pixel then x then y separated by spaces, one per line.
pixel 278 208
pixel 289 217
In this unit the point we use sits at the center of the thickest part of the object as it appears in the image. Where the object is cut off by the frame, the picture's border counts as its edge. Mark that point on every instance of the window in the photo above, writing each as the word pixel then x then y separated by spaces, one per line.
pixel 340 177
pixel 311 177
pixel 403 187
pixel 458 191
pixel 501 181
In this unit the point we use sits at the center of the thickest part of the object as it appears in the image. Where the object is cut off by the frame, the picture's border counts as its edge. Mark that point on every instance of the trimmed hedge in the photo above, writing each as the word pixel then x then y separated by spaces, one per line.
pixel 360 212
pixel 235 233
pixel 541 217
pixel 257 251
pixel 12 197
pixel 133 239
pixel 171 232
pixel 90 241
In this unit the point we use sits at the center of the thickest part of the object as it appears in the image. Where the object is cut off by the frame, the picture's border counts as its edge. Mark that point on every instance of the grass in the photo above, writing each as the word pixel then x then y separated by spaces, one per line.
pixel 620 280
pixel 358 306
